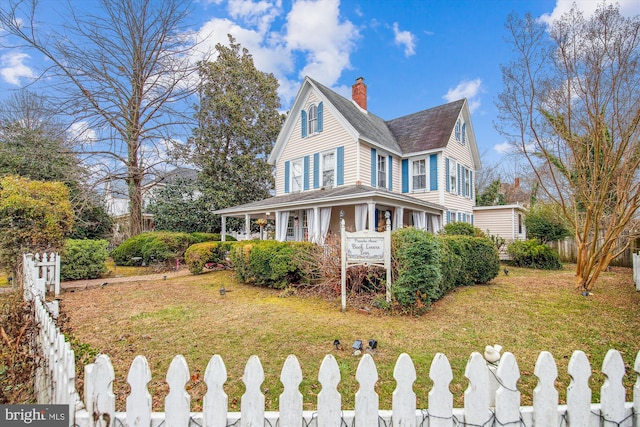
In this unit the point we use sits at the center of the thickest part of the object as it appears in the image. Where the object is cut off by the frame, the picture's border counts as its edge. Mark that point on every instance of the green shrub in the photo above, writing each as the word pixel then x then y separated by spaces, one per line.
pixel 462 229
pixel 127 252
pixel 479 260
pixel 83 259
pixel 417 260
pixel 201 254
pixel 199 237
pixel 533 254
pixel 159 247
pixel 270 263
pixel 166 247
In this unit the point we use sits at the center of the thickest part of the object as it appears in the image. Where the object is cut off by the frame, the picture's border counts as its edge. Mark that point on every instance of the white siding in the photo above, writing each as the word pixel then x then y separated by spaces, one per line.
pixel 331 137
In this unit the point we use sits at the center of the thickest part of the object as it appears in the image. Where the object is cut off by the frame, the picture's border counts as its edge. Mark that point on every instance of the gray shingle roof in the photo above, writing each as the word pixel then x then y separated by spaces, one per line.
pixel 426 130
pixel 422 131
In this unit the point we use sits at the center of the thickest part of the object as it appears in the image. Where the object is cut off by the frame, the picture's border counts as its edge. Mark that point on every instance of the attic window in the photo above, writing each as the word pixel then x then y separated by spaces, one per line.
pixel 458 130
pixel 313 119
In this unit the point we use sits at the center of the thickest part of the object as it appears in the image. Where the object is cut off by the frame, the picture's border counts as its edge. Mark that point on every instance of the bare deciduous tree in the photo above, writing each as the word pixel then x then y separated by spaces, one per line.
pixel 124 70
pixel 571 104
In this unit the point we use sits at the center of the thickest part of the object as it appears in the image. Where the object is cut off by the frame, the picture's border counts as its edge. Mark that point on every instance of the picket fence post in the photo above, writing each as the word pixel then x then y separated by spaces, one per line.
pixel 476 398
pixel 578 392
pixel 252 401
pixel 177 404
pixel 139 403
pixel 440 397
pixel 215 402
pixel 366 402
pixel 612 393
pixel 329 399
pixel 545 395
pixel 404 398
pixel 508 396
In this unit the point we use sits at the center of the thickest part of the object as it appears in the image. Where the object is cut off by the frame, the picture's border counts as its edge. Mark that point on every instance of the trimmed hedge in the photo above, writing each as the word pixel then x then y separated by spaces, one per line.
pixel 428 266
pixel 83 259
pixel 158 247
pixel 479 260
pixel 533 254
pixel 418 278
pixel 201 254
pixel 271 263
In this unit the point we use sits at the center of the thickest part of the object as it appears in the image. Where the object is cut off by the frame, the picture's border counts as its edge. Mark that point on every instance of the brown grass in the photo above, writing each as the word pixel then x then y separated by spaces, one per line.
pixel 526 312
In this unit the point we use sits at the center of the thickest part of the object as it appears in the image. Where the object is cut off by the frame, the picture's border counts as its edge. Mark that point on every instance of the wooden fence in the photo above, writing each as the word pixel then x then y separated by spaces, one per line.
pixel 568 251
pixel 55 379
pixel 491 399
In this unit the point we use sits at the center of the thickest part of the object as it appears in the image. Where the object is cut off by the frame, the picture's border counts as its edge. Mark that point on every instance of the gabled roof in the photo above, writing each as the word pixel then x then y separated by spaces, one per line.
pixel 426 130
pixel 369 126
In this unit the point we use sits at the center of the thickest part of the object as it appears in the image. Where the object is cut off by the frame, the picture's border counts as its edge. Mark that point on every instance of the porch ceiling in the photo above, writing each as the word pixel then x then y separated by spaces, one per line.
pixel 343 195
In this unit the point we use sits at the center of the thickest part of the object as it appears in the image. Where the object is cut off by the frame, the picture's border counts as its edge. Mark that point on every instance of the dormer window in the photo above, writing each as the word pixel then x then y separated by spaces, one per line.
pixel 458 130
pixel 311 120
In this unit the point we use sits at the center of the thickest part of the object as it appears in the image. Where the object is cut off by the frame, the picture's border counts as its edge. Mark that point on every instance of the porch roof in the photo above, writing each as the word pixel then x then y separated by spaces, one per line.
pixel 343 195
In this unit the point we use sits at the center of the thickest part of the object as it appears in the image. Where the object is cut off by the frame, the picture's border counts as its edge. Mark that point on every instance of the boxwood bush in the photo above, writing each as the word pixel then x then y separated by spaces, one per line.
pixel 270 263
pixel 533 254
pixel 158 247
pixel 418 278
pixel 199 255
pixel 83 259
pixel 478 263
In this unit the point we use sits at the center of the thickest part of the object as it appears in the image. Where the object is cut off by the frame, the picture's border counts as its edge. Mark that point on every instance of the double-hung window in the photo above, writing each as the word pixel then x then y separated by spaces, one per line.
pixel 419 174
pixel 329 169
pixel 313 119
pixel 453 178
pixel 382 171
pixel 467 182
pixel 296 175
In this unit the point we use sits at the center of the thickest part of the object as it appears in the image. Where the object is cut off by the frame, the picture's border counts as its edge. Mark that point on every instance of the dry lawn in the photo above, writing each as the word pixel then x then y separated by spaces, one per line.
pixel 526 312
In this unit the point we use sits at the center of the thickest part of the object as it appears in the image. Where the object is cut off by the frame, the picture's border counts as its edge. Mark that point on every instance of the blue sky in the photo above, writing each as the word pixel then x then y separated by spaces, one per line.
pixel 413 54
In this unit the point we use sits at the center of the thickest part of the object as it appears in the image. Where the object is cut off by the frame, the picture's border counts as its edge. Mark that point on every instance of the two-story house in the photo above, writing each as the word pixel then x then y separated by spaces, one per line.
pixel 333 155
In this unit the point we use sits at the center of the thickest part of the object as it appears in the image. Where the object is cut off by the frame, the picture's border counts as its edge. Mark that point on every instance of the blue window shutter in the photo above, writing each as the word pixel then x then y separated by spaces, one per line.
pixel 471 219
pixel 471 185
pixel 316 170
pixel 390 173
pixel 374 167
pixel 433 172
pixel 446 177
pixel 448 217
pixel 459 217
pixel 320 117
pixel 405 175
pixel 287 166
pixel 305 173
pixel 340 166
pixel 303 123
pixel 458 180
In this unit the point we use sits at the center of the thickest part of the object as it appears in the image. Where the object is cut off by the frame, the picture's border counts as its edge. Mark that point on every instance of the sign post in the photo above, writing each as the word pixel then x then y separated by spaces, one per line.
pixel 365 248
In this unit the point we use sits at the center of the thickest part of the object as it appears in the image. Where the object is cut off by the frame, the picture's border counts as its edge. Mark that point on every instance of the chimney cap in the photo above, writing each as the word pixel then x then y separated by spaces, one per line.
pixel 359 79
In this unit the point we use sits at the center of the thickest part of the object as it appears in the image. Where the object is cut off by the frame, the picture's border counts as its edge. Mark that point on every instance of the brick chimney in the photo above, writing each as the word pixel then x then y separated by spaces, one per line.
pixel 516 184
pixel 359 93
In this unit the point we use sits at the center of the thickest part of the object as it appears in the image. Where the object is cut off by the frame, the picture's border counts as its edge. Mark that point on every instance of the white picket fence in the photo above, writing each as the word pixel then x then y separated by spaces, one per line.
pixel 636 269
pixel 491 399
pixel 55 380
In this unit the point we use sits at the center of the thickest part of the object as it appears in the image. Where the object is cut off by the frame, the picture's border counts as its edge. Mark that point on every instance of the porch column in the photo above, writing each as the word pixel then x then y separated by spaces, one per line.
pixel 223 234
pixel 277 223
pixel 372 216
pixel 247 226
pixel 316 224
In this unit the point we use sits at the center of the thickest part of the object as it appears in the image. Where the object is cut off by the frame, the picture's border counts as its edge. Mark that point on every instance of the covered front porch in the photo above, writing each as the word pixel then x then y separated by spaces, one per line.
pixel 314 215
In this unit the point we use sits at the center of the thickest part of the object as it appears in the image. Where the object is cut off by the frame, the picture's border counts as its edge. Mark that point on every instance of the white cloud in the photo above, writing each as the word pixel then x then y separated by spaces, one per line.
pixel 469 89
pixel 406 39
pixel 13 67
pixel 328 50
pixel 275 50
pixel 82 133
pixel 627 8
pixel 259 13
pixel 503 148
